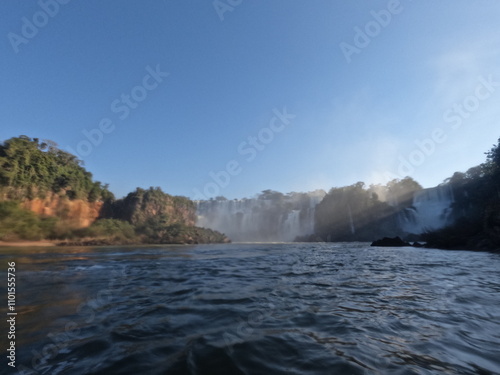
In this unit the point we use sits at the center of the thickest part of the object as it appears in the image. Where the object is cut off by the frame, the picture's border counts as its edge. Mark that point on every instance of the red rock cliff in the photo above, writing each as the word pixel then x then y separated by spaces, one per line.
pixel 76 213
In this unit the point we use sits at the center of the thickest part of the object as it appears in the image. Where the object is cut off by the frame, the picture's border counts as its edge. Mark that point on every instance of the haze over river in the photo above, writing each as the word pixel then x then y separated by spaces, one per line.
pixel 336 308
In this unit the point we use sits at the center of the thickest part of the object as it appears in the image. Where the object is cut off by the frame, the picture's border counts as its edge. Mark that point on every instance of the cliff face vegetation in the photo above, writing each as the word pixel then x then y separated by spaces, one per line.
pixel 142 205
pixel 161 218
pixel 46 193
pixel 30 169
pixel 50 183
pixel 356 213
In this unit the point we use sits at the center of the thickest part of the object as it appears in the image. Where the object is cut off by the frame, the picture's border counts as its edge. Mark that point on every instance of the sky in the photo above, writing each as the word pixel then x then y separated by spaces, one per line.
pixel 231 97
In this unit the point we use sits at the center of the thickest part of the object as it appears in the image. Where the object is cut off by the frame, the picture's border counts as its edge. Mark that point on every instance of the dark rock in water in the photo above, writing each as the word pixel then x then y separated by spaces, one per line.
pixel 387 241
pixel 417 244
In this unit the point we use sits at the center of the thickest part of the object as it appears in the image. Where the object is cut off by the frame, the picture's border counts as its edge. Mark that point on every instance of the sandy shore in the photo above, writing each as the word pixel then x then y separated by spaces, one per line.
pixel 27 243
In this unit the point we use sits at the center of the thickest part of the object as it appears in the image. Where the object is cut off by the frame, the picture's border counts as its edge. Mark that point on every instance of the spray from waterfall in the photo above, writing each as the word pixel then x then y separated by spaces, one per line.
pixel 271 216
pixel 277 217
pixel 430 210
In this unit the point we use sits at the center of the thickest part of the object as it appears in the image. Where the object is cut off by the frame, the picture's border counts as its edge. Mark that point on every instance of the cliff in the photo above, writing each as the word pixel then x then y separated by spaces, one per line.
pixel 142 206
pixel 77 213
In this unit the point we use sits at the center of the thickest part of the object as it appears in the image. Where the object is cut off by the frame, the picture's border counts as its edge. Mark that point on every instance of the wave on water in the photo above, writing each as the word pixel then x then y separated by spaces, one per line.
pixel 339 308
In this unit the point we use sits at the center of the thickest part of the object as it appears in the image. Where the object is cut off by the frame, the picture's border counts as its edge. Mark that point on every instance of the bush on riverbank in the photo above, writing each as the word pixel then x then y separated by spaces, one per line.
pixel 19 224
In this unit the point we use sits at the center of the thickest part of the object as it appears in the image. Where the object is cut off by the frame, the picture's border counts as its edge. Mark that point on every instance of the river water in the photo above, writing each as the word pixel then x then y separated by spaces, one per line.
pixel 340 308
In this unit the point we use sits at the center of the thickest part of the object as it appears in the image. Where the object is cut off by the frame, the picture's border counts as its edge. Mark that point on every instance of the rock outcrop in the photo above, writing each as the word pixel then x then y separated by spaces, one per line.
pixel 142 205
pixel 390 242
pixel 75 213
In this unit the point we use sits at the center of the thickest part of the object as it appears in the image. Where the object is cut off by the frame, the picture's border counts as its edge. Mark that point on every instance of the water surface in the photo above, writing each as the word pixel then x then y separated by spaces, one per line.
pixel 340 308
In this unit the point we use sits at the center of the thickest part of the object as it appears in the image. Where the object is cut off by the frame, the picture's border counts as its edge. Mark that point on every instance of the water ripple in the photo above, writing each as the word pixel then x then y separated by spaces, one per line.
pixel 258 309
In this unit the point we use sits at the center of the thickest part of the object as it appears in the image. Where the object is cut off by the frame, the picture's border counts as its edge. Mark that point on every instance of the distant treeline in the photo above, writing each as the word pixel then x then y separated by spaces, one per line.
pixel 357 213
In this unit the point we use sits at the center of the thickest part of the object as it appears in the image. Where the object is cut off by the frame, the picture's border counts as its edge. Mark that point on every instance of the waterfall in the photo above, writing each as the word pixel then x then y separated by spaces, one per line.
pixel 279 219
pixel 431 209
pixel 351 222
pixel 291 226
pixel 276 217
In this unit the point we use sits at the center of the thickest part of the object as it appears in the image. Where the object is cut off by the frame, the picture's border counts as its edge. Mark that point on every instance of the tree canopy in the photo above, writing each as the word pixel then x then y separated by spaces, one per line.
pixel 30 168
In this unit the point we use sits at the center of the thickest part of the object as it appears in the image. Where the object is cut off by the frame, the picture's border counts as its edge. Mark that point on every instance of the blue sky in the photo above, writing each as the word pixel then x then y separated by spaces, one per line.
pixel 422 73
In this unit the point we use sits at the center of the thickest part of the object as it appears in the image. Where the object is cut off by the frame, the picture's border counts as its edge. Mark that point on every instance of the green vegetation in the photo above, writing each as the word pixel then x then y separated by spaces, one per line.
pixel 109 229
pixel 156 230
pixel 141 205
pixel 32 169
pixel 158 218
pixel 16 223
pixel 476 208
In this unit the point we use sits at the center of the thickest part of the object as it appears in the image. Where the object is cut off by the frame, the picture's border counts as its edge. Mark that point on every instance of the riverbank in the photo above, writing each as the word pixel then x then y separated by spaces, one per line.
pixel 28 243
pixel 200 236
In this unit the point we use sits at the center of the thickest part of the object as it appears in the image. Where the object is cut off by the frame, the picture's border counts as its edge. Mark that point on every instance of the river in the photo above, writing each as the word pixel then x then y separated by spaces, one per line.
pixel 337 308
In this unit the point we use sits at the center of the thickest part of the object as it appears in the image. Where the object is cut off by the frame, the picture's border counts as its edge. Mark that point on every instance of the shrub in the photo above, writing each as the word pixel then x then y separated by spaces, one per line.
pixel 109 228
pixel 19 224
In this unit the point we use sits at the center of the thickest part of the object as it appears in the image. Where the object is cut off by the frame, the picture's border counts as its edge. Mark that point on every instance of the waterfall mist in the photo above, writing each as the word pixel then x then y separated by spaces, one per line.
pixel 431 209
pixel 271 216
pixel 352 213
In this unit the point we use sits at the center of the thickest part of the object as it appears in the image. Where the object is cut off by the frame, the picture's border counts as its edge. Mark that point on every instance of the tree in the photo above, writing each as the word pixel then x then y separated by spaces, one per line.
pixel 493 163
pixel 30 169
pixel 401 192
